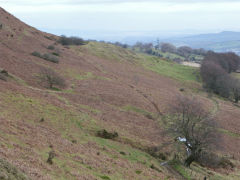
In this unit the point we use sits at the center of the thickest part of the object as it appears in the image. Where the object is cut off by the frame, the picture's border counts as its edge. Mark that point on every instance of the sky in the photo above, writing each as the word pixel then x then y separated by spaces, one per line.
pixel 118 19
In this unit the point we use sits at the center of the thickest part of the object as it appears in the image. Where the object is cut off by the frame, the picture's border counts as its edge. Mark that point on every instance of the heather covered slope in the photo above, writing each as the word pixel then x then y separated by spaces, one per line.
pixel 108 87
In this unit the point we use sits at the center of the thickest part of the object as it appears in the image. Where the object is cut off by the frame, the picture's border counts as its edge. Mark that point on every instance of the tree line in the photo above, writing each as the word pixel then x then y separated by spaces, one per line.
pixel 183 51
pixel 216 74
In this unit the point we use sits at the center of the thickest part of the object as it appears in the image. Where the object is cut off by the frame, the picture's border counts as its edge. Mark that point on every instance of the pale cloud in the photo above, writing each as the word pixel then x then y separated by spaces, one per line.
pixel 121 6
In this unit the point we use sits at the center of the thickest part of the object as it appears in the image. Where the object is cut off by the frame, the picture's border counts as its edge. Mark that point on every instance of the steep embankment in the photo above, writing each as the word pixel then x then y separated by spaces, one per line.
pixel 107 88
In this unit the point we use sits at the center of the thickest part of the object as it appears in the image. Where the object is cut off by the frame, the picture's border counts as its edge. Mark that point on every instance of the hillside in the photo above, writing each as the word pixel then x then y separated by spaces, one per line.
pixel 107 87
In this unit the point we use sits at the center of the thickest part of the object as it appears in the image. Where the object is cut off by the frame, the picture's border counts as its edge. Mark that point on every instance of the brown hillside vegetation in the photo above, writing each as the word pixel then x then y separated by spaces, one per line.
pixel 117 91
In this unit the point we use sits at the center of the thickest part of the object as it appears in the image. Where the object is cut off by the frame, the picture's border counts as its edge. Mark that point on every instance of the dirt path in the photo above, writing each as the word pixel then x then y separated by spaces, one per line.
pixel 148 99
pixel 172 171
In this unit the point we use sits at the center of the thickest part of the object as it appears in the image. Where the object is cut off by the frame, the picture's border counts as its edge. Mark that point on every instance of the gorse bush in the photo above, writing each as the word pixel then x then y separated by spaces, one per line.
pixel 47 57
pixel 51 155
pixel 37 54
pixel 55 54
pixel 3 75
pixel 71 41
pixel 51 47
pixel 51 58
pixel 107 135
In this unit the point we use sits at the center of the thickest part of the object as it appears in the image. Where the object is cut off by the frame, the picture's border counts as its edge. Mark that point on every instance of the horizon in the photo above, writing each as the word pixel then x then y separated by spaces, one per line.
pixel 118 20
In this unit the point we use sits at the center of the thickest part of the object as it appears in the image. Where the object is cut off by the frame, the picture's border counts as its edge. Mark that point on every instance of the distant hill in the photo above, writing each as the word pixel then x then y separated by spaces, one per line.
pixel 219 42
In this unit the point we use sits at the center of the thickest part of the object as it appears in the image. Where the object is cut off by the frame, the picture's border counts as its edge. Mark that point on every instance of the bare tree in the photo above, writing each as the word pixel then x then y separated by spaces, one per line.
pixel 192 126
pixel 51 79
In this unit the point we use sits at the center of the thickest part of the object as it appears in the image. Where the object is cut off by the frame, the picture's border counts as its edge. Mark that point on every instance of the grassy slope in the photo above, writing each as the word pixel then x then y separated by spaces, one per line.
pixel 73 125
pixel 188 76
pixel 77 122
pixel 163 67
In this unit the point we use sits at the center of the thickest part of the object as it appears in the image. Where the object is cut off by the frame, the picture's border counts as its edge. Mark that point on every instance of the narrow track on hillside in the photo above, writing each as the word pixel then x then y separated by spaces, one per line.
pixel 145 96
pixel 216 107
pixel 172 171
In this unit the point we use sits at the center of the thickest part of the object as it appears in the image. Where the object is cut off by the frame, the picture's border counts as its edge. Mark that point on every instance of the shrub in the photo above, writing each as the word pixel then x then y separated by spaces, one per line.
pixel 3 75
pixel 51 79
pixel 212 160
pixel 51 58
pixel 55 54
pixel 181 89
pixel 154 152
pixel 138 172
pixel 149 116
pixel 155 168
pixel 123 153
pixel 74 141
pixel 51 155
pixel 5 72
pixel 105 177
pixel 51 47
pixel 71 41
pixel 37 54
pixel 107 135
pixel 47 57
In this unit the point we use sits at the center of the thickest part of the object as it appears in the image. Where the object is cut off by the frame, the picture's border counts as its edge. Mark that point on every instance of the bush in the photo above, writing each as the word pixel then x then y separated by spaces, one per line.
pixel 4 72
pixel 51 47
pixel 181 89
pixel 47 57
pixel 107 135
pixel 51 79
pixel 55 54
pixel 3 75
pixel 51 58
pixel 212 160
pixel 155 168
pixel 51 155
pixel 123 153
pixel 37 54
pixel 154 152
pixel 71 41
